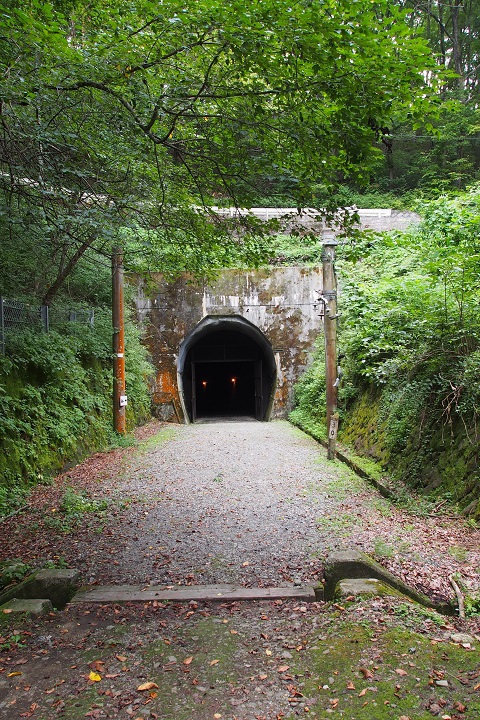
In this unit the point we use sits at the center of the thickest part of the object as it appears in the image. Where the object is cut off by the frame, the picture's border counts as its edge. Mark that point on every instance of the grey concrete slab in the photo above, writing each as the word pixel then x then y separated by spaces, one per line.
pixel 30 606
pixel 139 593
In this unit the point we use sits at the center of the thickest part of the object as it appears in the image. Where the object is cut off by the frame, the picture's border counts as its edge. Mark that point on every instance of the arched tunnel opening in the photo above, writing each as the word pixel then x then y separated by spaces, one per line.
pixel 227 369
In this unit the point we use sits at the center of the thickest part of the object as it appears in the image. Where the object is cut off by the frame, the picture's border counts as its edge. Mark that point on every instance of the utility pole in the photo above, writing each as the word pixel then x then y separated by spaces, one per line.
pixel 119 396
pixel 329 297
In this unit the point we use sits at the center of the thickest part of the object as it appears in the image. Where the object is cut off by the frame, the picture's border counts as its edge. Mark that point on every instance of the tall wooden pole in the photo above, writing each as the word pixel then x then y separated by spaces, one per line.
pixel 119 396
pixel 329 296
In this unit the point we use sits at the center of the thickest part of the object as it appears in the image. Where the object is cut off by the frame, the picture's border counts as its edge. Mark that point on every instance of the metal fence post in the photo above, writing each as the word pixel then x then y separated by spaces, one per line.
pixel 44 316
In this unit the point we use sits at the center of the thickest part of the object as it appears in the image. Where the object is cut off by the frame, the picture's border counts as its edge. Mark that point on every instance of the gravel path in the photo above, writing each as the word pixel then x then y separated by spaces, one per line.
pixel 226 502
pixel 242 502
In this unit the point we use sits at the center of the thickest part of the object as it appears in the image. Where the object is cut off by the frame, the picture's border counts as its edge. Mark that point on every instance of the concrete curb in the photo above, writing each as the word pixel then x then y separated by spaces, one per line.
pixel 351 564
pixel 57 585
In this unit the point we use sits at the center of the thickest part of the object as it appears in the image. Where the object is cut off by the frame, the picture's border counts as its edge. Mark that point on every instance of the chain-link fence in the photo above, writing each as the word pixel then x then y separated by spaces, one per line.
pixel 16 315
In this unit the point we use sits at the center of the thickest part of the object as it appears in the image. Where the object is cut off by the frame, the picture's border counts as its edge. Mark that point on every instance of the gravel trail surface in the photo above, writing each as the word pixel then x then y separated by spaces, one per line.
pixel 252 504
pixel 241 502
pixel 227 502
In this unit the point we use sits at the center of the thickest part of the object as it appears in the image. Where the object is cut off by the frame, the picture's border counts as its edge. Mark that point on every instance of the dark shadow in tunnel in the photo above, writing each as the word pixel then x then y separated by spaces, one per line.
pixel 225 389
pixel 227 369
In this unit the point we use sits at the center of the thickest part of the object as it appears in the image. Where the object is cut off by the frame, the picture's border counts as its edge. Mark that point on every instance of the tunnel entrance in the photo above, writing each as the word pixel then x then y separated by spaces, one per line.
pixel 227 369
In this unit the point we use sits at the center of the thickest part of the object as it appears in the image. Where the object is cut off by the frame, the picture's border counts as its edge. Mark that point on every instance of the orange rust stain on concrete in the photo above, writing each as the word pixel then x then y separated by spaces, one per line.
pixel 165 387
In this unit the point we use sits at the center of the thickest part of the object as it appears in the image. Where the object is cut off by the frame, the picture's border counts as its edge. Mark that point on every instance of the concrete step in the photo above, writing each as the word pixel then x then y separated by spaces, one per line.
pixel 185 593
pixel 28 606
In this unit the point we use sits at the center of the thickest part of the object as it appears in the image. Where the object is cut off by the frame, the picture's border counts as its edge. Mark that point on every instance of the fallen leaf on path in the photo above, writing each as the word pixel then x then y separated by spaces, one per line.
pixel 214 662
pixel 147 686
pixel 367 673
pixel 14 674
pixel 283 668
pixel 350 686
pixel 121 658
pixel 97 665
pixel 362 692
pixel 401 672
pixel 188 660
pixel 94 677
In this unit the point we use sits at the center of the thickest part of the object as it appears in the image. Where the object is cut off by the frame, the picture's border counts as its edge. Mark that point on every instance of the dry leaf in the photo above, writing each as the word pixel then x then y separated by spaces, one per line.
pixel 283 668
pixel 244 565
pixel 7 611
pixel 147 686
pixel 367 673
pixel 362 692
pixel 214 662
pixel 121 658
pixel 401 672
pixel 94 677
pixel 459 706
pixel 268 652
pixel 350 686
pixel 217 716
pixel 404 717
pixel 97 665
pixel 14 674
pixel 188 660
pixel 262 677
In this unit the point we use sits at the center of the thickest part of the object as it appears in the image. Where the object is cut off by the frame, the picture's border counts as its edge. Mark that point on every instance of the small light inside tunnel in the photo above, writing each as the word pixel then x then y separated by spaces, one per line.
pixel 234 380
pixel 204 383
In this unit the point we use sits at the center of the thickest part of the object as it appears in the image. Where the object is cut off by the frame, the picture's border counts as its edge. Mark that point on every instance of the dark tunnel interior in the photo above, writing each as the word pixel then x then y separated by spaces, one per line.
pixel 225 389
pixel 227 373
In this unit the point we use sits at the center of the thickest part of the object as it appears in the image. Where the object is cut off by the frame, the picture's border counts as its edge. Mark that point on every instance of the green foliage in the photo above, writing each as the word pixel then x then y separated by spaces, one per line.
pixel 12 572
pixel 55 398
pixel 309 412
pixel 294 249
pixel 72 507
pixel 130 117
pixel 409 338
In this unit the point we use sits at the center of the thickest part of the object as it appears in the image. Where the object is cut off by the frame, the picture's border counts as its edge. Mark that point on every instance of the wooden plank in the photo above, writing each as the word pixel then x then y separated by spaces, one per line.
pixel 185 593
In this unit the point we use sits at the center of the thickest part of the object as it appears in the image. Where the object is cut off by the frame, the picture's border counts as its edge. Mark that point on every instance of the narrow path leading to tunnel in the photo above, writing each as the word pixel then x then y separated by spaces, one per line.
pixel 228 501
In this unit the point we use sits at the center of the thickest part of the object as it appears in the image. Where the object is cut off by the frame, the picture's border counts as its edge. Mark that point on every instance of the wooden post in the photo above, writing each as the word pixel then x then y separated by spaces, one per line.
pixel 119 396
pixel 329 295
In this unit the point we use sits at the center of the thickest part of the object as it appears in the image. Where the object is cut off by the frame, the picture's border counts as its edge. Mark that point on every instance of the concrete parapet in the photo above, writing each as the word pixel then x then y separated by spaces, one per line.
pixel 57 585
pixel 351 564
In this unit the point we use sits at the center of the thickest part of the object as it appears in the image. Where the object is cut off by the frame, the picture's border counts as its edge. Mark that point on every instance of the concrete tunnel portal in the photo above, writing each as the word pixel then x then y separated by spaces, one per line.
pixel 226 368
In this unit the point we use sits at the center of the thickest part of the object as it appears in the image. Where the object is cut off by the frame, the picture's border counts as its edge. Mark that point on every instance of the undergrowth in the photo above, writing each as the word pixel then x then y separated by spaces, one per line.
pixel 55 401
pixel 409 347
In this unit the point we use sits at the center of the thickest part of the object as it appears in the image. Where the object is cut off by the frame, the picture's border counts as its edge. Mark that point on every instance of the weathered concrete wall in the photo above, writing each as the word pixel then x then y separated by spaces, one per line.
pixel 282 302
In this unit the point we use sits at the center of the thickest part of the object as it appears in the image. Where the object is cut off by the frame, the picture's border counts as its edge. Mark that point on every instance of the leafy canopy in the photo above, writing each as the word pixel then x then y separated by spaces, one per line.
pixel 135 114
